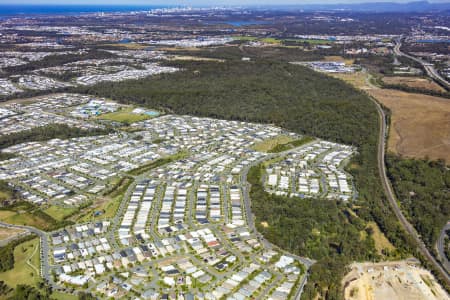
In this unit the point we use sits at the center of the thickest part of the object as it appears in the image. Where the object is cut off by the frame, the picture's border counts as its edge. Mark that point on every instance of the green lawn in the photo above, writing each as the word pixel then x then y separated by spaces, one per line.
pixel 269 144
pixel 245 38
pixel 59 213
pixel 22 273
pixel 110 208
pixel 317 42
pixel 290 145
pixel 252 38
pixel 271 41
pixel 23 218
pixel 63 296
pixel 109 203
pixel 4 195
pixel 107 206
pixel 124 115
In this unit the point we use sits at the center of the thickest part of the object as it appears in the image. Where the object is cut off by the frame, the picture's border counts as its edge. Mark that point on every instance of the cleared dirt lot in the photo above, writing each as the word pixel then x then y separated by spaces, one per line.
pixel 6 233
pixel 420 124
pixel 399 280
pixel 414 82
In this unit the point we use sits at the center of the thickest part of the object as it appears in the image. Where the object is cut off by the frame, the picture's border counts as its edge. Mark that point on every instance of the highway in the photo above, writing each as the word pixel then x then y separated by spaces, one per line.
pixel 393 201
pixel 440 245
pixel 429 68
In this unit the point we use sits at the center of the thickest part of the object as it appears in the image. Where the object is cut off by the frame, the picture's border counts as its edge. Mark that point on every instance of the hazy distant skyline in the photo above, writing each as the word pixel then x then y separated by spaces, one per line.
pixel 197 2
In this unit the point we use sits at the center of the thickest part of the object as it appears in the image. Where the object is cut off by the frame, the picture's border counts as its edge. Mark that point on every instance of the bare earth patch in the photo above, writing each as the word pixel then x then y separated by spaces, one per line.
pixel 401 280
pixel 414 82
pixel 6 233
pixel 420 125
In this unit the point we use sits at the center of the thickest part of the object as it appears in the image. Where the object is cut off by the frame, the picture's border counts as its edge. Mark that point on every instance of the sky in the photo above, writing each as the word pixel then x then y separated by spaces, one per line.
pixel 196 2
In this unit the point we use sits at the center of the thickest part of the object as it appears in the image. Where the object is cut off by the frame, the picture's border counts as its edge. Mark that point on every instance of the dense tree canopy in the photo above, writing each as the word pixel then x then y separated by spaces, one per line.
pixel 423 189
pixel 48 132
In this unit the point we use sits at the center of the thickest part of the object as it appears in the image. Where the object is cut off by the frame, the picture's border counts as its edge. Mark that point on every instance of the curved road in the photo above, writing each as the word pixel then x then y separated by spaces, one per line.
pixel 393 201
pixel 429 68
pixel 440 245
pixel 45 266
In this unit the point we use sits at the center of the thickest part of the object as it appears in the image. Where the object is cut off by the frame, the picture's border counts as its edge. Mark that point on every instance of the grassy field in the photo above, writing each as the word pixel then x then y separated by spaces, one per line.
pixel 381 242
pixel 157 163
pixel 129 46
pixel 263 40
pixel 356 79
pixel 269 144
pixel 124 115
pixel 347 61
pixel 316 42
pixel 110 207
pixel 4 195
pixel 420 124
pixel 25 254
pixel 290 145
pixel 22 218
pixel 107 204
pixel 245 38
pixel 119 186
pixel 424 135
pixel 6 214
pixel 271 41
pixel 63 296
pixel 414 82
pixel 59 213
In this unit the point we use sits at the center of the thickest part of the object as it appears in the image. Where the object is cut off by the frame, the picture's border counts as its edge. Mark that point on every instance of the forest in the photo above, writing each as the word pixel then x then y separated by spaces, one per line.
pixel 410 89
pixel 423 189
pixel 7 253
pixel 272 91
pixel 324 230
pixel 7 193
pixel 276 52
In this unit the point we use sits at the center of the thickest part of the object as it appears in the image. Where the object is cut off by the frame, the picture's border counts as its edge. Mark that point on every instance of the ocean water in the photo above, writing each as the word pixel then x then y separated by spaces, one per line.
pixel 17 10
